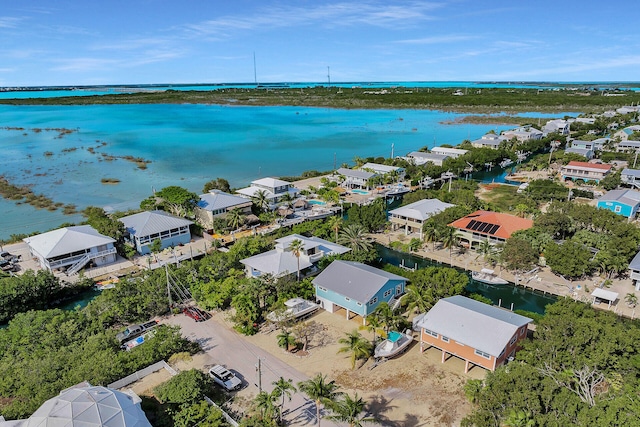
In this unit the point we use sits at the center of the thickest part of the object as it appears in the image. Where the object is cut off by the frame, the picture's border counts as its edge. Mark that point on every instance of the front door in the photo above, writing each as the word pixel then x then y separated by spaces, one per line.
pixel 398 290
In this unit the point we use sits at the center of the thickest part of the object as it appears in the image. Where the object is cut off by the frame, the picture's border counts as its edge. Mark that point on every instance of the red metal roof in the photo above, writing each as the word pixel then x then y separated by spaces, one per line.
pixel 590 165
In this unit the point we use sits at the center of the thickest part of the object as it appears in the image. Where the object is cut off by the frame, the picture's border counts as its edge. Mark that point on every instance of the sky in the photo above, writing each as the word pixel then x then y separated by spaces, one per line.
pixel 86 42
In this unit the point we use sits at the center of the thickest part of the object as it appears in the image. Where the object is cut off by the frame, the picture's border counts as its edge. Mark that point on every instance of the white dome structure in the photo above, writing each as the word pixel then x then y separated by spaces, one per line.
pixel 87 406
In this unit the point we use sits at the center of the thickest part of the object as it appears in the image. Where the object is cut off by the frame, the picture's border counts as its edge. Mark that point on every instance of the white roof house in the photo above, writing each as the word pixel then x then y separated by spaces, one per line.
pixel 556 125
pixel 413 215
pixel 273 188
pixel 219 202
pixel 145 227
pixel 281 261
pixel 473 323
pixel 87 406
pixel 71 247
pixel 523 133
pixel 420 158
pixel 489 140
pixel 451 152
pixel 380 169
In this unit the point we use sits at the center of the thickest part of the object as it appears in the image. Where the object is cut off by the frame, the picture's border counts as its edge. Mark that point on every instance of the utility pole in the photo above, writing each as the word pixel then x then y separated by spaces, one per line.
pixel 329 75
pixel 259 371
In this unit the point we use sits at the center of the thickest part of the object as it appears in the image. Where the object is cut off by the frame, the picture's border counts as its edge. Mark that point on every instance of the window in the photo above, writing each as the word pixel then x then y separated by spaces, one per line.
pixel 483 354
pixel 445 339
pixel 387 293
pixel 617 209
pixel 429 332
pixel 373 300
pixel 322 289
pixel 513 339
pixel 347 299
pixel 359 304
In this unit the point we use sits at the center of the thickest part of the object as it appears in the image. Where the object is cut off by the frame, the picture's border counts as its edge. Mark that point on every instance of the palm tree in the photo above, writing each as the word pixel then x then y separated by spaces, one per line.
pixel 417 299
pixel 431 233
pixel 296 246
pixel 286 339
pixel 335 223
pixel 485 250
pixel 286 199
pixel 449 238
pixel 631 299
pixel 235 218
pixel 261 200
pixel 319 390
pixel 354 237
pixel 386 317
pixel 373 325
pixel 349 410
pixel 283 388
pixel 521 210
pixel 357 345
pixel 264 402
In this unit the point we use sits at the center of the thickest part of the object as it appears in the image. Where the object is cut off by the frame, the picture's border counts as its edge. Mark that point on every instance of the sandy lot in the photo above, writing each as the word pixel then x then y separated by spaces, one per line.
pixel 415 389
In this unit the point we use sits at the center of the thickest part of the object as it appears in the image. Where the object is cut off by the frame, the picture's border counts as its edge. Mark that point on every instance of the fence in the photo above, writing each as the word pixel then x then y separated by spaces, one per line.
pixel 123 382
pixel 226 416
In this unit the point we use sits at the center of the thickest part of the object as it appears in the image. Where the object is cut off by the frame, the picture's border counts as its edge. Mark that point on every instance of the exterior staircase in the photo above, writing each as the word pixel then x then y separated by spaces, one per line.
pixel 81 262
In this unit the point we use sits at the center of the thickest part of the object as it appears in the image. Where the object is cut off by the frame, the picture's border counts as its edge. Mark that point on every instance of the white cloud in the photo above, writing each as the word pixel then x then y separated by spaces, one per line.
pixel 10 21
pixel 438 39
pixel 326 15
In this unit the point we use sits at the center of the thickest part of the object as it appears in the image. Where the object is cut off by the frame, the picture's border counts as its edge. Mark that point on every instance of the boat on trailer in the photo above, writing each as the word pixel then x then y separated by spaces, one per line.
pixel 296 308
pixel 488 276
pixel 395 344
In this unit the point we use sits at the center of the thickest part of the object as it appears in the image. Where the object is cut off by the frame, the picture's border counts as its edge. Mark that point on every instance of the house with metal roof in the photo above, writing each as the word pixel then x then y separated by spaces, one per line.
pixel 384 169
pixel 478 333
pixel 146 227
pixel 556 126
pixel 630 177
pixel 522 133
pixel 354 178
pixel 634 271
pixel 412 216
pixel 216 204
pixel 454 153
pixel 88 406
pixel 584 152
pixel 628 145
pixel 489 140
pixel 274 189
pixel 357 288
pixel 71 248
pixel 621 202
pixel 420 158
pixel 585 171
pixel 493 227
pixel 282 262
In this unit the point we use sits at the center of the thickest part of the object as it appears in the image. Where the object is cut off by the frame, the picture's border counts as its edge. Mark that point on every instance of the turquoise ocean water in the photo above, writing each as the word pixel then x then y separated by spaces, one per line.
pixel 189 145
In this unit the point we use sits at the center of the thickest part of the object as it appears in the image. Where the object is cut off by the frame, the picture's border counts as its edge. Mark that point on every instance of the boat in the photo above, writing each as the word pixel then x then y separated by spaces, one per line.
pixel 396 343
pixel 296 308
pixel 488 276
pixel 398 190
pixel 506 162
pixel 107 284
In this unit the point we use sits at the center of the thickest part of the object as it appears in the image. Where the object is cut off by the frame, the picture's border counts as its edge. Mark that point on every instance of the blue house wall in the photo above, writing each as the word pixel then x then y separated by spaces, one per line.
pixel 362 308
pixel 618 207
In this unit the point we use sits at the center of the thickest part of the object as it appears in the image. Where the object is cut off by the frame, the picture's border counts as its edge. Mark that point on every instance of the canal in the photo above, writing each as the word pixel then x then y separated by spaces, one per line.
pixel 503 295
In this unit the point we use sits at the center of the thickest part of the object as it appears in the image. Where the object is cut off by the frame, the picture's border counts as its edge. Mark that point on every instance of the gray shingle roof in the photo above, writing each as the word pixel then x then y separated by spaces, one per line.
pixel 152 222
pixel 473 323
pixel 422 209
pixel 355 280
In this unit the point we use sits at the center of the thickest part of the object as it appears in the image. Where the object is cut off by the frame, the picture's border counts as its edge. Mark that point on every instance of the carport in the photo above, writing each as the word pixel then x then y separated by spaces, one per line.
pixel 600 294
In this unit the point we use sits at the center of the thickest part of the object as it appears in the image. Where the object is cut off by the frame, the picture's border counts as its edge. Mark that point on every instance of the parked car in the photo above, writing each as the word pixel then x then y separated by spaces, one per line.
pixel 6 265
pixel 196 314
pixel 225 378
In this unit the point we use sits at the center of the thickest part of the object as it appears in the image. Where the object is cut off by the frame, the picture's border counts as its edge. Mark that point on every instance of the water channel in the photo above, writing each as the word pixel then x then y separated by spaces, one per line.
pixel 504 295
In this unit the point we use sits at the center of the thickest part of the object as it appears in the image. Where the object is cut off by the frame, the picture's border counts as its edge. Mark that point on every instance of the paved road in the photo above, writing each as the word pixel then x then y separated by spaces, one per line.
pixel 226 347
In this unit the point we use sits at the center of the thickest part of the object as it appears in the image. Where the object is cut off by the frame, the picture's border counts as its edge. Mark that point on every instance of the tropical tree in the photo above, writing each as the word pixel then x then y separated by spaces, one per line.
pixel 485 250
pixel 286 199
pixel 177 200
pixel 631 299
pixel 519 419
pixel 354 236
pixel 286 339
pixel 386 317
pixel 296 246
pixel 235 218
pixel 350 410
pixel 265 403
pixel 335 223
pixel 373 325
pixel 521 209
pixel 357 345
pixel 217 184
pixel 431 233
pixel 283 388
pixel 417 300
pixel 261 200
pixel 321 391
pixel 449 238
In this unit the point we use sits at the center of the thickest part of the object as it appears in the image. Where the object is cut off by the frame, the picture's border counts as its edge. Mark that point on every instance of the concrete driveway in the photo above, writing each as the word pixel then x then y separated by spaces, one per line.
pixel 226 347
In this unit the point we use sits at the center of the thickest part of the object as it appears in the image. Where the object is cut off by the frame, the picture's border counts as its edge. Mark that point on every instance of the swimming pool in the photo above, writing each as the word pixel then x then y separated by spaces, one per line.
pixel 316 202
pixel 360 191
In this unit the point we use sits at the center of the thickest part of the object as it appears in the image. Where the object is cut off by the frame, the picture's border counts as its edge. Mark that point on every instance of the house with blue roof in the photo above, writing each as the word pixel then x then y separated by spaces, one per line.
pixel 357 288
pixel 145 227
pixel 621 202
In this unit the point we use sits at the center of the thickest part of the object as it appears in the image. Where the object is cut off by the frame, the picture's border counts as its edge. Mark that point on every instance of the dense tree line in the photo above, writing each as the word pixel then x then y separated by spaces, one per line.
pixel 582 368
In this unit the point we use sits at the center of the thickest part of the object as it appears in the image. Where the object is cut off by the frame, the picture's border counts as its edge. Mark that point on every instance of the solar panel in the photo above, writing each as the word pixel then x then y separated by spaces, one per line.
pixel 494 229
pixel 473 225
pixel 484 227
